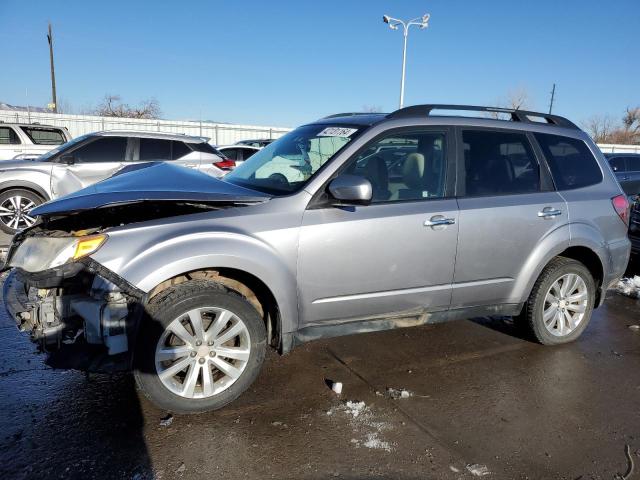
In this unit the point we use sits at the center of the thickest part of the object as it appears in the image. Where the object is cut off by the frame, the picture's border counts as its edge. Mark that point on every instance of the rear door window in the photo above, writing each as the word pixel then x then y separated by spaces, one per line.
pixel 44 136
pixel 618 164
pixel 8 136
pixel 571 162
pixel 155 149
pixel 499 163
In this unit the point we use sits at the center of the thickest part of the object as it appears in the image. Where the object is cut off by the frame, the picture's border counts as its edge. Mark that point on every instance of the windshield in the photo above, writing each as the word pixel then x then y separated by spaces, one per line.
pixel 62 148
pixel 285 165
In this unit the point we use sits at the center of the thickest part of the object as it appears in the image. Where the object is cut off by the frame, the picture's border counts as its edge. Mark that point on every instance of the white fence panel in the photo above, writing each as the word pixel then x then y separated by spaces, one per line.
pixel 218 133
pixel 612 148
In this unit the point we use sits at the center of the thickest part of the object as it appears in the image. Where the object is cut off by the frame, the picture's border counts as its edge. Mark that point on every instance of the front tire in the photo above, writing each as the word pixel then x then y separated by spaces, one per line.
pixel 561 302
pixel 200 347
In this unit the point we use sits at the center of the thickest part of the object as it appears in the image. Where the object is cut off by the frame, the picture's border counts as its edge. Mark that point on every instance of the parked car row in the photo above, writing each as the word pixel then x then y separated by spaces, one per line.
pixel 85 160
pixel 353 223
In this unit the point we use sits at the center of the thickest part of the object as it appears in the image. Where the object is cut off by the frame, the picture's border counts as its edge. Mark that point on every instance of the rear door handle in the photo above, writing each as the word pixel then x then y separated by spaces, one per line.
pixel 437 220
pixel 549 212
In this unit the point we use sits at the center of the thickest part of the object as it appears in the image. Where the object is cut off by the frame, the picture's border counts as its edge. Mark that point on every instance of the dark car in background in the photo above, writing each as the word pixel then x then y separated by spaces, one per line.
pixel 626 166
pixel 259 142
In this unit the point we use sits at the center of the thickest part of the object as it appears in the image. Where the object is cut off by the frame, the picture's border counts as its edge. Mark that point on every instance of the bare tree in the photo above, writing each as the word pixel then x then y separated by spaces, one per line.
pixel 599 127
pixel 604 130
pixel 112 106
pixel 516 99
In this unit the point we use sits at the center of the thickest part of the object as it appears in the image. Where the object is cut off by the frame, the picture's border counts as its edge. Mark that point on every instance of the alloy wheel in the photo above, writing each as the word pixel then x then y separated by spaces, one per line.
pixel 202 352
pixel 565 304
pixel 14 212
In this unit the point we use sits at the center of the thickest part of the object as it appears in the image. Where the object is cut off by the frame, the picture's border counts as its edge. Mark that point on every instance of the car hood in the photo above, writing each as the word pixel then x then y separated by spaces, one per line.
pixel 157 181
pixel 18 164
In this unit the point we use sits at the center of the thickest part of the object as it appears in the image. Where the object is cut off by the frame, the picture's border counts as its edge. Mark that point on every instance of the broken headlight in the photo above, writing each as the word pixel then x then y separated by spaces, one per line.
pixel 36 254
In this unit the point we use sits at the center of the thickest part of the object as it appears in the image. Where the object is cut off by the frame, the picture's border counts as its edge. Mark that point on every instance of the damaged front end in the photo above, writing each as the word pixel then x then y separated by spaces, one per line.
pixel 80 312
pixel 82 315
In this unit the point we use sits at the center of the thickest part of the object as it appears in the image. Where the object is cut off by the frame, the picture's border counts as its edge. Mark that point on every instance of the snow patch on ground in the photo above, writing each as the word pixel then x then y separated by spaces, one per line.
pixel 478 470
pixel 363 423
pixel 629 287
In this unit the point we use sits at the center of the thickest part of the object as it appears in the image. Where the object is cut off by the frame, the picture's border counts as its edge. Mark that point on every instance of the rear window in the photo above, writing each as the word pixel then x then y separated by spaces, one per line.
pixel 44 136
pixel 203 147
pixel 571 162
pixel 179 150
pixel 8 136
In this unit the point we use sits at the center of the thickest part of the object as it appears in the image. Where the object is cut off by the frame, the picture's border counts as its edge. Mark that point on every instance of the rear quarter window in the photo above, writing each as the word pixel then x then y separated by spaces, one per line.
pixel 44 136
pixel 571 162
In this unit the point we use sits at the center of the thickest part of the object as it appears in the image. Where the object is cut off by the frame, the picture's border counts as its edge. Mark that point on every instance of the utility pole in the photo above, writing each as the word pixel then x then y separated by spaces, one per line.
pixel 553 95
pixel 54 101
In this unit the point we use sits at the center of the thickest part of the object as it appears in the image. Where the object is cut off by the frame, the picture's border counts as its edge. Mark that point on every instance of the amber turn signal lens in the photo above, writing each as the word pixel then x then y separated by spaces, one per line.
pixel 88 245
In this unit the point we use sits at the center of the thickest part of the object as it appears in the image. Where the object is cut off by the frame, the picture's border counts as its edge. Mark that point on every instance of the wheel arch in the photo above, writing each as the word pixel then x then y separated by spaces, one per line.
pixel 252 288
pixel 585 246
pixel 23 185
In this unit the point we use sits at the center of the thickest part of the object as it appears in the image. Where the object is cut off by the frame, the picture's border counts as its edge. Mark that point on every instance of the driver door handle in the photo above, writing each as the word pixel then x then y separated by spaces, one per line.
pixel 549 212
pixel 439 220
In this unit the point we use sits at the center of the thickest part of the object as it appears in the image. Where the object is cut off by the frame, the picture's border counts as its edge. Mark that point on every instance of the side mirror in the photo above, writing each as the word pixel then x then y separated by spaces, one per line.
pixel 68 159
pixel 351 189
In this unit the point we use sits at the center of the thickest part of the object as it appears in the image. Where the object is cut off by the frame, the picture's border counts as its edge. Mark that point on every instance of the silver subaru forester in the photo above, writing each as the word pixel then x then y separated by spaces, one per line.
pixel 353 223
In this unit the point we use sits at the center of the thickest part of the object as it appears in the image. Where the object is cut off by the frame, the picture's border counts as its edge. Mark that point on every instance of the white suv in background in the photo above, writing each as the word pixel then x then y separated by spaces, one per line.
pixel 29 140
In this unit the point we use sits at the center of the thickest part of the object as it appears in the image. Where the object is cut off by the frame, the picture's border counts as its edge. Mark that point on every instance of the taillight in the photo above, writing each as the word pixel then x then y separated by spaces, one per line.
pixel 225 164
pixel 621 206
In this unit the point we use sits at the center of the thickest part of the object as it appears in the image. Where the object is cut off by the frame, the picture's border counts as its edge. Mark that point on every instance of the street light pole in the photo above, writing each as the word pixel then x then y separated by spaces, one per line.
pixel 422 22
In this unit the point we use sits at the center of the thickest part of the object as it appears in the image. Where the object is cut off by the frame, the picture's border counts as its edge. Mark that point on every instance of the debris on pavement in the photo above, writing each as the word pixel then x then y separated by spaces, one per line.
pixel 629 286
pixel 166 421
pixel 361 419
pixel 181 469
pixel 478 470
pixel 336 387
pixel 634 327
pixel 396 393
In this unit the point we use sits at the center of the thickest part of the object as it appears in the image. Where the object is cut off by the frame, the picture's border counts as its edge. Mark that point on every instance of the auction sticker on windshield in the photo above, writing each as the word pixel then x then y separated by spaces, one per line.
pixel 337 132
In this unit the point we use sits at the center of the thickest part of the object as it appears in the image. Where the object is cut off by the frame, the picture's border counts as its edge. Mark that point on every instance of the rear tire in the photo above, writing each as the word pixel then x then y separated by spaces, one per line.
pixel 15 205
pixel 200 347
pixel 561 303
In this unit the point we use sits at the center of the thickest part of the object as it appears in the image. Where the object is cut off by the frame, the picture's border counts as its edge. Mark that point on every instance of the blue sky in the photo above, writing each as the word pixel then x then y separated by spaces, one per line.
pixel 287 62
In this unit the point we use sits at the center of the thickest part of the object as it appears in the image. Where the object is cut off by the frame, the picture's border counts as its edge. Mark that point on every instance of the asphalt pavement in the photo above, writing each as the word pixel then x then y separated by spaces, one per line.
pixel 479 400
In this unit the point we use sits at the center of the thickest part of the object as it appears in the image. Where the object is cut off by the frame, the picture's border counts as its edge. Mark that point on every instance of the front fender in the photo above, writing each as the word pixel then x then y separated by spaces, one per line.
pixel 32 180
pixel 146 265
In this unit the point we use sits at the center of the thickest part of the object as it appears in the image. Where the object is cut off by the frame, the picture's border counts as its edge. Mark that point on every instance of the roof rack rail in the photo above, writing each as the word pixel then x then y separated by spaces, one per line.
pixel 516 115
pixel 349 114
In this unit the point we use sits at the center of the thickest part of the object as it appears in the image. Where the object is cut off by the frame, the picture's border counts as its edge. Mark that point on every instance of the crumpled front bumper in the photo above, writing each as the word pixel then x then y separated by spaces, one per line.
pixel 16 299
pixel 83 320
